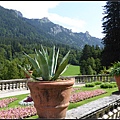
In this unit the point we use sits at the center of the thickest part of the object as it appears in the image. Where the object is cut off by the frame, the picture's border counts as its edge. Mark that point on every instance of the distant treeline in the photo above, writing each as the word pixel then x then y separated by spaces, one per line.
pixel 11 54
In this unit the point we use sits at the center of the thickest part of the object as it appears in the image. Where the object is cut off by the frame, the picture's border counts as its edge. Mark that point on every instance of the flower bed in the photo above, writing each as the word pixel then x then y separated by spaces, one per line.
pixel 76 97
pixel 6 101
pixel 18 113
pixel 75 89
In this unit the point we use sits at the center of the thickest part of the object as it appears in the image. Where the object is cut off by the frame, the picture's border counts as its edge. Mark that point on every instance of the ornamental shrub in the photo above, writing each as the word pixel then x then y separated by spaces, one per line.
pixel 98 82
pixel 108 85
pixel 90 84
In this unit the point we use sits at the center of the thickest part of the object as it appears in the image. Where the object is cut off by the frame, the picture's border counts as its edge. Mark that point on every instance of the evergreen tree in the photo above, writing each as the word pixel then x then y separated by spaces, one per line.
pixel 98 65
pixel 86 52
pixel 83 67
pixel 90 70
pixel 13 71
pixel 111 29
pixel 91 62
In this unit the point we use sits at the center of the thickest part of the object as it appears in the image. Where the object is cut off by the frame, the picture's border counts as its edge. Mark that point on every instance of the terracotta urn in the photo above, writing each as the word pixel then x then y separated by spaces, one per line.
pixel 51 98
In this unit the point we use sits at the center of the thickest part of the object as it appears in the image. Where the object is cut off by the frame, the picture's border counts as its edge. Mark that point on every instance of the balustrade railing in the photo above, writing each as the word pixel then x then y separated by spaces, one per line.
pixel 19 84
pixel 112 111
pixel 12 85
pixel 92 78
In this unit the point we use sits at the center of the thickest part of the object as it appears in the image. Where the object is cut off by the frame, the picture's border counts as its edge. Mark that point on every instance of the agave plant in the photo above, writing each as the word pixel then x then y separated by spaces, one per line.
pixel 27 67
pixel 47 66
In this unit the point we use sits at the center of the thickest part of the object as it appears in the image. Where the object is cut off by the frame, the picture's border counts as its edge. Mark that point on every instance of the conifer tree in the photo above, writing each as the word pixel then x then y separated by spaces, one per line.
pixel 111 29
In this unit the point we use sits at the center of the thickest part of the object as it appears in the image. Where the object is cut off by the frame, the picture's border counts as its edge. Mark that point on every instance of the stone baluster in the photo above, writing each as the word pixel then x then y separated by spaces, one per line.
pixel 115 113
pixel 10 85
pixel 78 79
pixel 82 80
pixel 89 78
pixel 110 114
pixel 118 108
pixel 7 86
pixel 14 85
pixel 105 116
pixel 24 85
pixel 2 86
pixel 18 85
pixel 98 78
pixel 95 78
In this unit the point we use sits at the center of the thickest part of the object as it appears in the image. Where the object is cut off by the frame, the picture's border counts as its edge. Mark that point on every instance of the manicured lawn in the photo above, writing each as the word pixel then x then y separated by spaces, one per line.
pixel 72 105
pixel 72 70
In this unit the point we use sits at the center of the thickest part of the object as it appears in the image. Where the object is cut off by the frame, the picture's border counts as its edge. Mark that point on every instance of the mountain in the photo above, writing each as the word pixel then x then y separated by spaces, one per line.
pixel 14 25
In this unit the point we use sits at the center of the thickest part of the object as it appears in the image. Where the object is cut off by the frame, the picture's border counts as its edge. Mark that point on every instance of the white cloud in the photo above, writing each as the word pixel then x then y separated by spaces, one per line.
pixel 71 23
pixel 39 9
pixel 31 9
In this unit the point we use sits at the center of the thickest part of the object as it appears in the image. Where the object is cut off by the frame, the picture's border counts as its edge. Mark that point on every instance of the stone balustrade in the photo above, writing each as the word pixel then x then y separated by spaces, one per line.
pixel 12 85
pixel 92 78
pixel 19 84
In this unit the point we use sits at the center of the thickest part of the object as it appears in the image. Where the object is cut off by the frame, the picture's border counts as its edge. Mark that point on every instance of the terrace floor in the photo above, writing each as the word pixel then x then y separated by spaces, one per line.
pixel 7 94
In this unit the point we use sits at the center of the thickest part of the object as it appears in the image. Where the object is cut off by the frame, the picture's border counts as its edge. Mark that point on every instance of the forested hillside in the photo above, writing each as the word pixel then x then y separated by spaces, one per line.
pixel 13 25
pixel 18 34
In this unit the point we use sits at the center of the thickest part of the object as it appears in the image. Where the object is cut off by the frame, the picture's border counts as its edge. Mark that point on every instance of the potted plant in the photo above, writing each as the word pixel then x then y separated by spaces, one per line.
pixel 115 71
pixel 28 67
pixel 51 94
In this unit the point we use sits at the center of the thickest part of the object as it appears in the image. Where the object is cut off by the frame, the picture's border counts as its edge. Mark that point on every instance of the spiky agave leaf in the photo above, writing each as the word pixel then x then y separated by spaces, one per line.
pixel 56 61
pixel 61 66
pixel 44 53
pixel 51 61
pixel 44 66
pixel 35 63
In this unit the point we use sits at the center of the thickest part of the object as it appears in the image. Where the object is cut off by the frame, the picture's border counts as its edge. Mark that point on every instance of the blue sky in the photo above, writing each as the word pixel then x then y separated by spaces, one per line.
pixel 79 16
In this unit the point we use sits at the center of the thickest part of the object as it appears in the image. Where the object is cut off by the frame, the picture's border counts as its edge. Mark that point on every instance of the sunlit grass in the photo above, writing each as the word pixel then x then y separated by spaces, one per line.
pixel 72 70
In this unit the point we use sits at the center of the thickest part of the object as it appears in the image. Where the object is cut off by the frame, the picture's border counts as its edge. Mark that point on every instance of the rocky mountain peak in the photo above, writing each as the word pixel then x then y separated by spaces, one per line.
pixel 87 34
pixel 45 20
